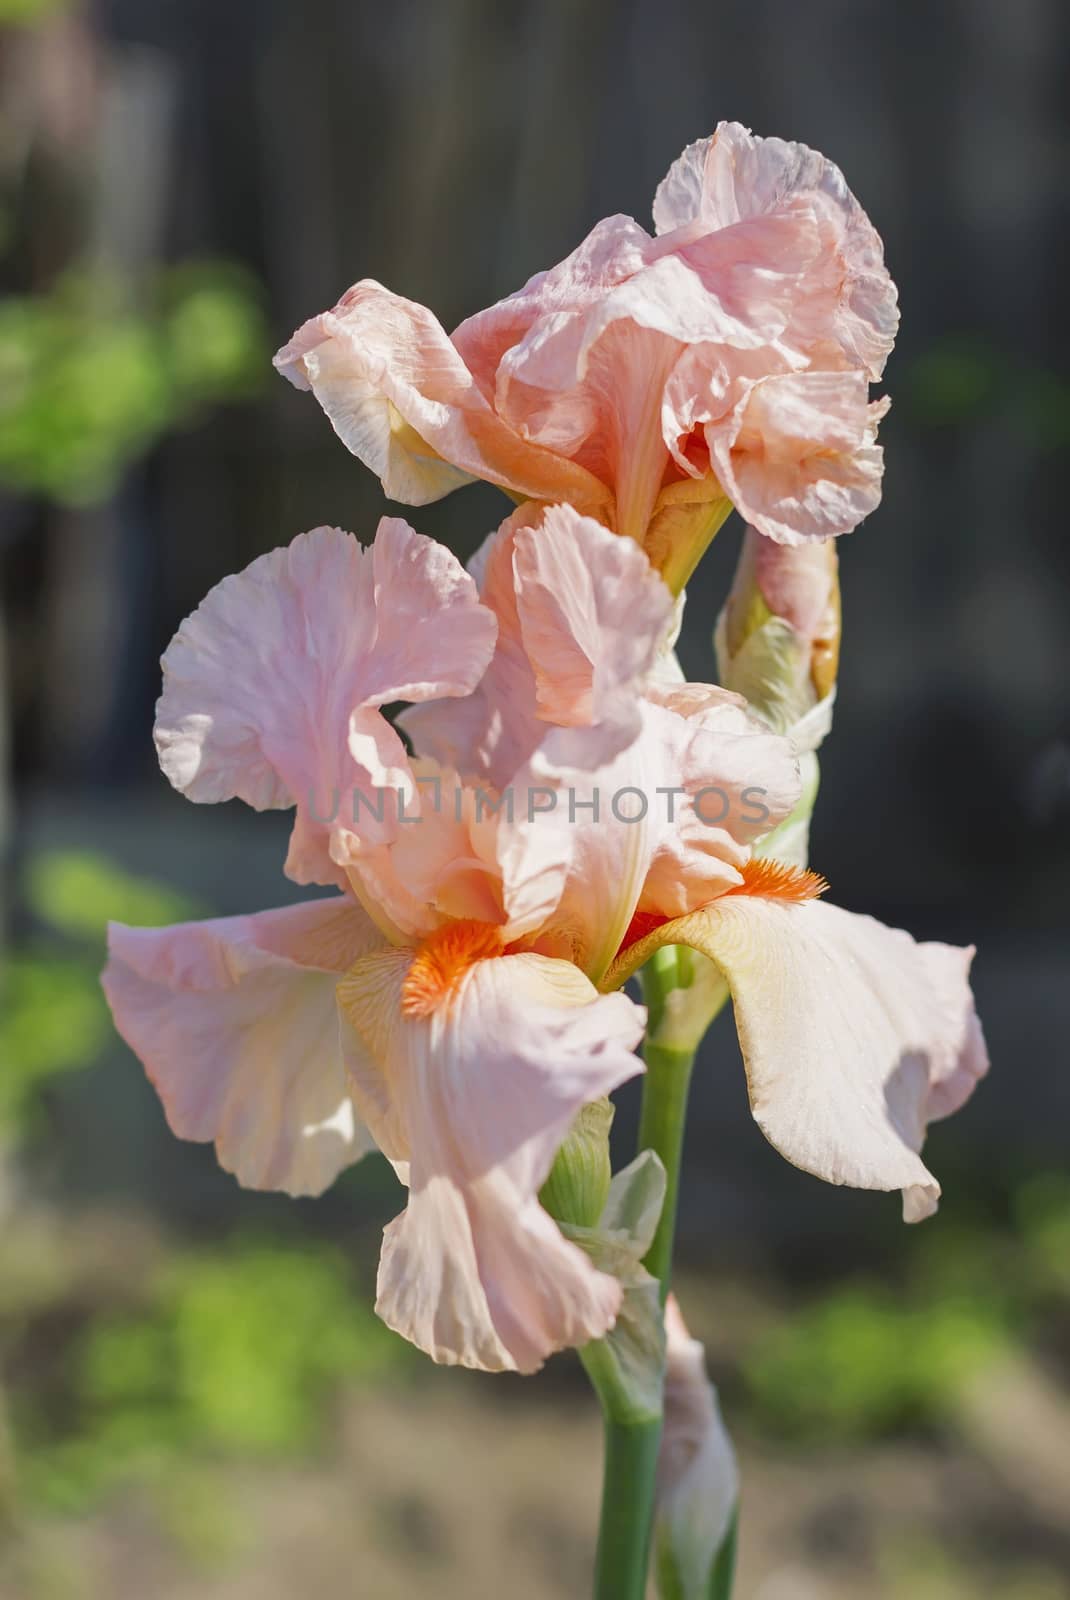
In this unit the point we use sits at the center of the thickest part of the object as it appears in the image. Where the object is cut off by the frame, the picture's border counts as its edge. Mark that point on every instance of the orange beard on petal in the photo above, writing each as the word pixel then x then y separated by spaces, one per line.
pixel 443 958
pixel 763 879
pixel 766 879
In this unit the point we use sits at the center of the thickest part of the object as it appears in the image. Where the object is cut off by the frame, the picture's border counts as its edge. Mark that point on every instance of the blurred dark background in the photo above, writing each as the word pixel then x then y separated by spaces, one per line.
pixel 198 1401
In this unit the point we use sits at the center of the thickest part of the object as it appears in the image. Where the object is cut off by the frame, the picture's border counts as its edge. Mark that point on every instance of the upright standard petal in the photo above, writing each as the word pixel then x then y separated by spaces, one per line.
pixel 272 687
pixel 236 1025
pixel 593 617
pixel 854 1037
pixel 591 384
pixel 583 621
pixel 479 1063
pixel 734 176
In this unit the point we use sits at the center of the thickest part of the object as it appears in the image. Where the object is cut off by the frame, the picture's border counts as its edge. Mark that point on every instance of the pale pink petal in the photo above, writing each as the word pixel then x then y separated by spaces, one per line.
pixel 661 826
pixel 579 359
pixel 235 1023
pixel 593 616
pixel 600 402
pixel 271 686
pixel 477 1096
pixel 733 177
pixel 854 1037
pixel 432 870
pixel 491 732
pixel 582 622
pixel 798 455
pixel 400 396
pixel 614 249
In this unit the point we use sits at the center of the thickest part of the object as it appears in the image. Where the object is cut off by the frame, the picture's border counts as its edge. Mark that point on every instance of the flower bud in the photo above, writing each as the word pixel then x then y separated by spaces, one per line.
pixel 778 637
pixel 578 1186
pixel 698 1480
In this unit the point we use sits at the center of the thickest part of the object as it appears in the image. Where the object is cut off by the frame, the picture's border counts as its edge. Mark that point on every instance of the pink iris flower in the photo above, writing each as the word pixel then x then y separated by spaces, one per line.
pixel 458 1002
pixel 652 382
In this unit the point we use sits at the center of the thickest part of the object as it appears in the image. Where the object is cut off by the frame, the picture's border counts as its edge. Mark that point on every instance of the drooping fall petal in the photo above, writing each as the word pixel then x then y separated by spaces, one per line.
pixel 854 1037
pixel 236 1025
pixel 473 1074
pixel 272 686
pixel 799 457
pixel 400 396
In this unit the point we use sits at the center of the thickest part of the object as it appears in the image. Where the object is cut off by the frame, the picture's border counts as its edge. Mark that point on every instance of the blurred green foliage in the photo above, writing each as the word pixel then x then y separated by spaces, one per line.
pixel 28 12
pixel 861 1363
pixel 868 1360
pixel 78 892
pixel 53 1019
pixel 921 1568
pixel 89 381
pixel 235 1352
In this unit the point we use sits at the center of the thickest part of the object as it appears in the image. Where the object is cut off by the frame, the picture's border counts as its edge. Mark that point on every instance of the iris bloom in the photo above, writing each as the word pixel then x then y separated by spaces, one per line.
pixel 455 1004
pixel 651 382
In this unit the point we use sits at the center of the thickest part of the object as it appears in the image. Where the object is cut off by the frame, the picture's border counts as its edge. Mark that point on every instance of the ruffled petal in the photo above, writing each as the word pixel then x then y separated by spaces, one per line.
pixel 437 867
pixel 854 1036
pixel 400 397
pixel 582 622
pixel 491 732
pixel 615 248
pixel 661 826
pixel 236 1025
pixel 271 686
pixel 477 1096
pixel 798 455
pixel 593 615
pixel 720 182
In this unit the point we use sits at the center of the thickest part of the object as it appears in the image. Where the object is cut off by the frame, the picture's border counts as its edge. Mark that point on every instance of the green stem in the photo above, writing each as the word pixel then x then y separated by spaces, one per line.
pixel 631 1459
pixel 631 1446
pixel 661 1128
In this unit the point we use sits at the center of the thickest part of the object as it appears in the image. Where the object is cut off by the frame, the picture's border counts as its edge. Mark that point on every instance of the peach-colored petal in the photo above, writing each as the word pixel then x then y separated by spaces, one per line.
pixel 661 826
pixel 733 177
pixel 590 385
pixel 476 1097
pixel 437 866
pixel 582 360
pixel 698 1478
pixel 236 1025
pixel 582 622
pixel 400 396
pixel 615 248
pixel 593 615
pixel 798 455
pixel 271 687
pixel 854 1037
pixel 491 732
